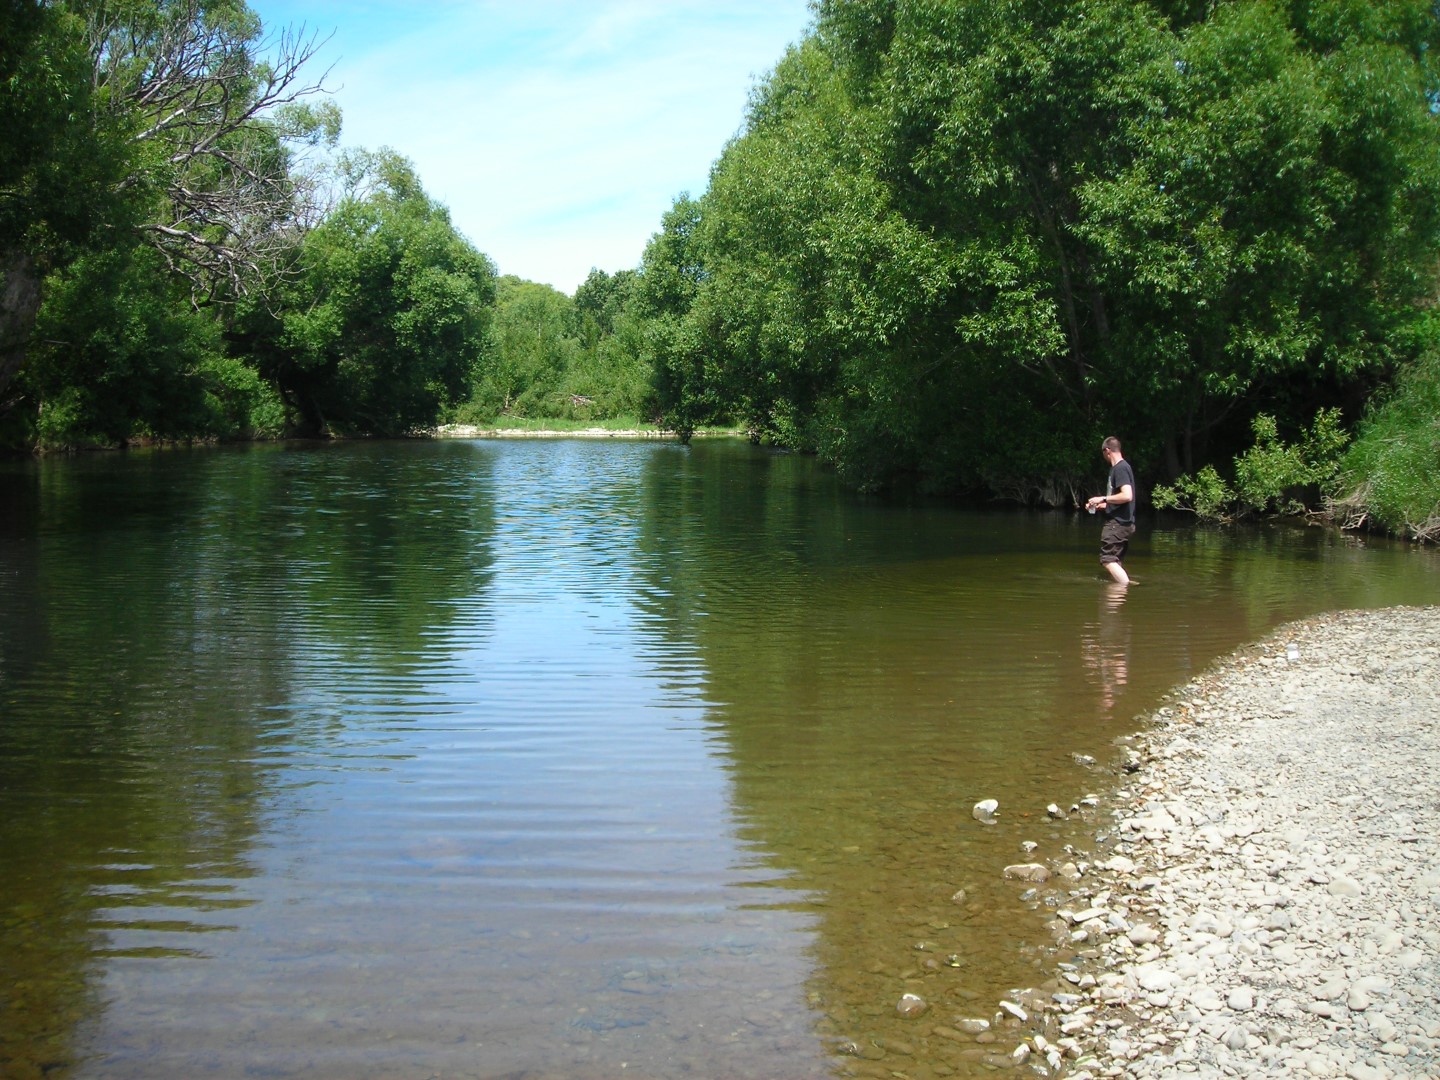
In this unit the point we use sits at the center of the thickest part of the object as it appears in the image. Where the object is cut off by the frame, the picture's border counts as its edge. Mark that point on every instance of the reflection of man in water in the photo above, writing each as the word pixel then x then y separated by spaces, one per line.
pixel 1106 650
pixel 1118 502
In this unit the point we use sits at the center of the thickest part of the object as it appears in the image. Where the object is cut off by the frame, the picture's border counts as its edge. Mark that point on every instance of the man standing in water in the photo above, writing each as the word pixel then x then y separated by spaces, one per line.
pixel 1118 502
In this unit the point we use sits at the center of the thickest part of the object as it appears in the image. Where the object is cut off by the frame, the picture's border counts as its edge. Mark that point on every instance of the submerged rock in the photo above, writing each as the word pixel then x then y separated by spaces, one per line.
pixel 911 1006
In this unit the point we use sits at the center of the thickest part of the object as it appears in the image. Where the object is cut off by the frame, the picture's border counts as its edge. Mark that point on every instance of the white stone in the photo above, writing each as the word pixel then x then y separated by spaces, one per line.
pixel 1014 1010
pixel 1143 934
pixel 1206 999
pixel 1155 979
pixel 1241 999
pixel 1344 886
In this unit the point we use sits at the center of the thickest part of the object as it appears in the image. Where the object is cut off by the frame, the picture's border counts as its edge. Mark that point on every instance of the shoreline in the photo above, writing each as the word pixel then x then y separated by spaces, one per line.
pixel 472 431
pixel 1263 901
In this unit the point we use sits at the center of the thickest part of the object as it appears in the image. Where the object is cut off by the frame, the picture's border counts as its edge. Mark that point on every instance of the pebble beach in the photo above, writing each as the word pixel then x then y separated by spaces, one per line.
pixel 1262 898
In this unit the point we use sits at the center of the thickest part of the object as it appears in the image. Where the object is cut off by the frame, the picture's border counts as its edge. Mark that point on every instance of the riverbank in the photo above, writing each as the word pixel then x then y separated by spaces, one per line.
pixel 1263 901
pixel 473 431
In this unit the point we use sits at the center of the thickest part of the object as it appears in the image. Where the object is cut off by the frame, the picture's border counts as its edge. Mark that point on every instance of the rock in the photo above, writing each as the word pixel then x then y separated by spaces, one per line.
pixel 1206 999
pixel 985 810
pixel 1055 812
pixel 972 1025
pixel 911 1006
pixel 1410 959
pixel 1027 872
pixel 1143 934
pixel 1344 886
pixel 1156 979
pixel 1241 999
pixel 1015 1011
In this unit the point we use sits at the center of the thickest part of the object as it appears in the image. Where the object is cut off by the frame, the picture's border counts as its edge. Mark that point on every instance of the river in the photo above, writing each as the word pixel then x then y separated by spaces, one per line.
pixel 561 759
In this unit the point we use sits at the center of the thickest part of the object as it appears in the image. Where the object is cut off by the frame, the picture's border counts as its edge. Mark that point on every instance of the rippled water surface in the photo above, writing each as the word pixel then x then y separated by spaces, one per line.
pixel 570 759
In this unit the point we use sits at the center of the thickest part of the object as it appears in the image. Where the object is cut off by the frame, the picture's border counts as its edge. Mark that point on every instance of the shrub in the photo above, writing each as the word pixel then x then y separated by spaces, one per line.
pixel 1390 477
pixel 1271 476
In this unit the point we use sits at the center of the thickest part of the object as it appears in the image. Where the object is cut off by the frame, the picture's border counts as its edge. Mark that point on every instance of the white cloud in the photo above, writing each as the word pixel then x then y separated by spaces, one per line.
pixel 557 133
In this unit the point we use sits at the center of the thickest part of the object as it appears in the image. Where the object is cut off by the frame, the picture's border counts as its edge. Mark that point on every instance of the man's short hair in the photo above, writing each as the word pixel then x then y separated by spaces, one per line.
pixel 1112 444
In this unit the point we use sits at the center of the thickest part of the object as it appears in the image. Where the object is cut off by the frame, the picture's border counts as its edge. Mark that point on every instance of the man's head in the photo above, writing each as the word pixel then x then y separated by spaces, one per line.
pixel 1110 449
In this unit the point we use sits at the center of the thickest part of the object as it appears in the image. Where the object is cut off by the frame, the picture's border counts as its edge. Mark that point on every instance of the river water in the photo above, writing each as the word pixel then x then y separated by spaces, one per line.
pixel 561 759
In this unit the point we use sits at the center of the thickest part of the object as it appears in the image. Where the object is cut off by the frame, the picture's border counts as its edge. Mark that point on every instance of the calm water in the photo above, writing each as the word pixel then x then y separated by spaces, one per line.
pixel 517 759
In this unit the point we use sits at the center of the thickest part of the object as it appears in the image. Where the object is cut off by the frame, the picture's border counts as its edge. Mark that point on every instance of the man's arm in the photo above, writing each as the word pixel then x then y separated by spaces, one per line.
pixel 1124 495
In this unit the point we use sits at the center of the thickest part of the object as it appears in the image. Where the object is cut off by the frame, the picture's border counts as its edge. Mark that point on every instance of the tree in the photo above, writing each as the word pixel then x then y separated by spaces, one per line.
pixel 671 272
pixel 387 316
pixel 534 349
pixel 961 241
pixel 156 117
pixel 1274 219
pixel 612 375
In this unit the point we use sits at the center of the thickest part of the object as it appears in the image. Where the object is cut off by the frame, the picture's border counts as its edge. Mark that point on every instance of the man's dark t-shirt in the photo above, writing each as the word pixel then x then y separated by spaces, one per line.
pixel 1120 475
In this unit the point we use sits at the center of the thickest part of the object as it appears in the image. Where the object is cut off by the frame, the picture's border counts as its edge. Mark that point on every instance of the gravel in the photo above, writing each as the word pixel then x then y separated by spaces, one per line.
pixel 1265 901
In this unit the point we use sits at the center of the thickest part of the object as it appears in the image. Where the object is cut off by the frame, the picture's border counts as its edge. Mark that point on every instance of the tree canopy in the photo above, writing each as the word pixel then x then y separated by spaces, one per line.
pixel 154 118
pixel 960 241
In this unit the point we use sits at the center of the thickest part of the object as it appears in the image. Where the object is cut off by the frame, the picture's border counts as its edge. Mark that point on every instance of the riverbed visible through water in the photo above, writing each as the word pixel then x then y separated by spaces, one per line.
pixel 571 758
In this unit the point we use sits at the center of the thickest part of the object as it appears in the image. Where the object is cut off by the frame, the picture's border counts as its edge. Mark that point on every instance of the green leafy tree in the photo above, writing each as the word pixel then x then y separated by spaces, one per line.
pixel 611 376
pixel 534 349
pixel 122 355
pixel 1276 218
pixel 671 272
pixel 955 241
pixel 388 316
pixel 154 119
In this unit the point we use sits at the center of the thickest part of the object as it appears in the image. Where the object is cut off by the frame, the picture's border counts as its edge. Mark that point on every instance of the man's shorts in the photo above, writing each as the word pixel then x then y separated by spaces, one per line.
pixel 1114 539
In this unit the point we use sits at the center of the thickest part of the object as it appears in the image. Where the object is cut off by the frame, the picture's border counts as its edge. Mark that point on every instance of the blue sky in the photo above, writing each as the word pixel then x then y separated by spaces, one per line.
pixel 557 132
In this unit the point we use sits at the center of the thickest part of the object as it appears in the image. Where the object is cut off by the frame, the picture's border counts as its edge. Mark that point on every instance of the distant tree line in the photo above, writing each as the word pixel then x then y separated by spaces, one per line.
pixel 953 245
pixel 186 253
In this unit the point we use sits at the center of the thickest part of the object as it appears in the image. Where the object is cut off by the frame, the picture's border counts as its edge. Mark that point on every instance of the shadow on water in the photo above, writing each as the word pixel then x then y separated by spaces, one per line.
pixel 487 759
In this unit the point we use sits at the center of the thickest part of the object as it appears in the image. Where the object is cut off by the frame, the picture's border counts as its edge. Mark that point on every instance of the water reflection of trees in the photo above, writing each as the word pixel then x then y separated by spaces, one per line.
pixel 863 669
pixel 874 670
pixel 168 622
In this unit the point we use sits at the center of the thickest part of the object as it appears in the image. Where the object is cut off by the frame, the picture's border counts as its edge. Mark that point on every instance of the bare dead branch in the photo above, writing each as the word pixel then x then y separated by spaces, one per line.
pixel 195 86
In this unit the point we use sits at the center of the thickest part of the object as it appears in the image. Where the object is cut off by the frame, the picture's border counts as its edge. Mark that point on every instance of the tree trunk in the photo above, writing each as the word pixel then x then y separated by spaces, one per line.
pixel 19 304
